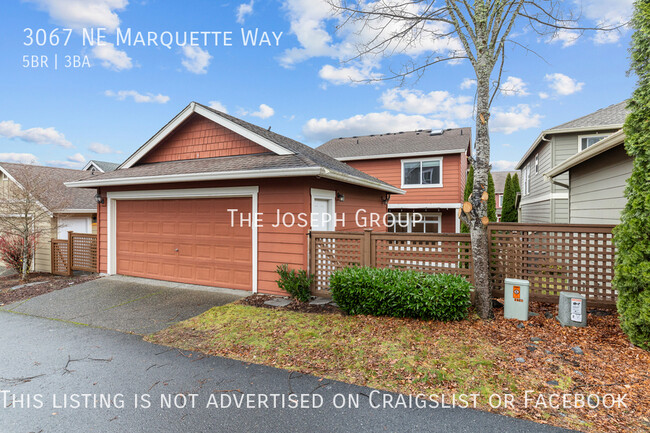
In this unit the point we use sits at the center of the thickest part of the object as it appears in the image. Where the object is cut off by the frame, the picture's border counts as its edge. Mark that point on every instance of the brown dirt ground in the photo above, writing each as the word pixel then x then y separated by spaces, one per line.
pixel 301 307
pixel 52 282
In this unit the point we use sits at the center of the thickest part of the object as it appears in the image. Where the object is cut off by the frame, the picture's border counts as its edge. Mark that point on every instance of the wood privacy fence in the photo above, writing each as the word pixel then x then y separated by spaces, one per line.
pixel 553 257
pixel 77 253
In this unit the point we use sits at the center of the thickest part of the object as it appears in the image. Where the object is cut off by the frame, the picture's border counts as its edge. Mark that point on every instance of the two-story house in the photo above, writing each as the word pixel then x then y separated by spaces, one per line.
pixel 546 200
pixel 430 165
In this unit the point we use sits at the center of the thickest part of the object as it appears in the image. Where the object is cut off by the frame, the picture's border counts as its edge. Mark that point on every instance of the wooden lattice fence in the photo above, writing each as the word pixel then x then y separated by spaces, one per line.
pixel 77 253
pixel 553 257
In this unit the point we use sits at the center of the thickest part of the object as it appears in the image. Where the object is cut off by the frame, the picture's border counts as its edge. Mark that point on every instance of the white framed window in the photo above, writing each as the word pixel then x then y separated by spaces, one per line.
pixel 585 141
pixel 323 209
pixel 422 173
pixel 525 184
pixel 404 222
pixel 536 163
pixel 499 200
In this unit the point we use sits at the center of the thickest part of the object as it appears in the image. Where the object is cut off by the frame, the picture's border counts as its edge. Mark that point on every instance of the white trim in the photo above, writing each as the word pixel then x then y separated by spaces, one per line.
pixel 546 197
pixel 580 137
pixel 112 197
pixel 330 196
pixel 603 145
pixel 457 222
pixel 420 160
pixel 425 205
pixel 92 163
pixel 438 216
pixel 192 108
pixel 65 211
pixel 402 155
pixel 540 137
pixel 240 174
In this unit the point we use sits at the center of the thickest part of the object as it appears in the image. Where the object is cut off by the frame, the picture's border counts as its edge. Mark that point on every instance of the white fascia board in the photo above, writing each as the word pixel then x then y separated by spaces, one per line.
pixel 76 211
pixel 187 112
pixel 540 137
pixel 603 145
pixel 424 205
pixel 402 155
pixel 92 164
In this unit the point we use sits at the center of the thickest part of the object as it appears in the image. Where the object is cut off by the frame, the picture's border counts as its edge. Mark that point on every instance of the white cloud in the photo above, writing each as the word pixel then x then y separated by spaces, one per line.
pixel 111 57
pixel 514 86
pixel 503 165
pixel 74 161
pixel 351 75
pixel 321 130
pixel 562 84
pixel 565 36
pixel 77 157
pixel 264 112
pixel 138 97
pixel 310 21
pixel 196 60
pixel 77 14
pixel 11 129
pixel 438 103
pixel 514 119
pixel 543 95
pixel 21 158
pixel 102 149
pixel 468 83
pixel 243 10
pixel 218 106
pixel 608 13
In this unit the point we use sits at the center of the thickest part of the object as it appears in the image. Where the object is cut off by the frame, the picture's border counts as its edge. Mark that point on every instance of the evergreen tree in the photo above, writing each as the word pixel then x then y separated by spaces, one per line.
pixel 508 205
pixel 632 236
pixel 492 202
pixel 469 184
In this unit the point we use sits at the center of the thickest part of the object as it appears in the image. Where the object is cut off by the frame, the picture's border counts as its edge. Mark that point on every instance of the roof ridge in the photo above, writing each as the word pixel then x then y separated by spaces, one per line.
pixel 587 115
pixel 40 166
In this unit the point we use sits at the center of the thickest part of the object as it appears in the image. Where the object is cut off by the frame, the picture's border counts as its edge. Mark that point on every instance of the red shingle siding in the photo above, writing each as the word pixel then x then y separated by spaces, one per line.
pixel 200 138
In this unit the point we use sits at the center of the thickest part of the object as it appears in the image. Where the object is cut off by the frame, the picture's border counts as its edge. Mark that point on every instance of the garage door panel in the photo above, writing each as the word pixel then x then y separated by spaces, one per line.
pixel 210 251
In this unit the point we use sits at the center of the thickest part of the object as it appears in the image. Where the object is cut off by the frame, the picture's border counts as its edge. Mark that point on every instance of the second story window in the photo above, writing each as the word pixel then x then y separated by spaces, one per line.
pixel 422 173
pixel 586 141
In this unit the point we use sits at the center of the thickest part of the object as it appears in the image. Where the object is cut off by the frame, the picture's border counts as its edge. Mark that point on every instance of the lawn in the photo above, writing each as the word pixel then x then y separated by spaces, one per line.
pixel 414 357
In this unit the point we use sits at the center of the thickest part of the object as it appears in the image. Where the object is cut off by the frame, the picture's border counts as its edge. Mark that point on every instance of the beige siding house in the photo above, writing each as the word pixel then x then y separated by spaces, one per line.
pixel 597 178
pixel 544 199
pixel 76 212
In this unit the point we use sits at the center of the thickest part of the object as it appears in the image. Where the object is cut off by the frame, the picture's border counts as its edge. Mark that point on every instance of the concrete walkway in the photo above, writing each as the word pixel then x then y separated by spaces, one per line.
pixel 126 304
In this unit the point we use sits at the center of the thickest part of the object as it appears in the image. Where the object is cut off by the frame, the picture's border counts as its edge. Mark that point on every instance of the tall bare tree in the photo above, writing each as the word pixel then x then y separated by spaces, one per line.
pixel 483 28
pixel 23 217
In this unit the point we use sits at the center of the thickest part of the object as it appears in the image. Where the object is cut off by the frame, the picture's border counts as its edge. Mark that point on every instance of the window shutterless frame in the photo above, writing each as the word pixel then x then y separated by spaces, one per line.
pixel 586 137
pixel 410 162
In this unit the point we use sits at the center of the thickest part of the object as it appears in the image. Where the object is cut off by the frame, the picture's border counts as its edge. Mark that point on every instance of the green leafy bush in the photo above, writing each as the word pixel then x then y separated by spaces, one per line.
pixel 396 293
pixel 295 283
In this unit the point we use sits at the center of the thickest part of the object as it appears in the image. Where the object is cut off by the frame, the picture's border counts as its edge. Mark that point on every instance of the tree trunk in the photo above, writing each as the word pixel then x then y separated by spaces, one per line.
pixel 25 254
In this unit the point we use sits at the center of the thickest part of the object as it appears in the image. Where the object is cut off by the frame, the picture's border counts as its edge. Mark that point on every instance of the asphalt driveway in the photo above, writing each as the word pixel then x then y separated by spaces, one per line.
pixel 126 304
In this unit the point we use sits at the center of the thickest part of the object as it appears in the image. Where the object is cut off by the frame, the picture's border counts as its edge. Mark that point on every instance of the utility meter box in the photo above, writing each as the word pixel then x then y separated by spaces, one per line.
pixel 516 299
pixel 572 309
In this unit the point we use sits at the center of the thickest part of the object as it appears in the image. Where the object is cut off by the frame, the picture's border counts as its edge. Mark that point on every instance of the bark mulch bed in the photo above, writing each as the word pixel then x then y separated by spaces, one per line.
pixel 301 307
pixel 48 283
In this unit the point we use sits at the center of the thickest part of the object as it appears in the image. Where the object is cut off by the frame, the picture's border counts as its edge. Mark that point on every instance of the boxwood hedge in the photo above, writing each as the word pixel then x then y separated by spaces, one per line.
pixel 398 293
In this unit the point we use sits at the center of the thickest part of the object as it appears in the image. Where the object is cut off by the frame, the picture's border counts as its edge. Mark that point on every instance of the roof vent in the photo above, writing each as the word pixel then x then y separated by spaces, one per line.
pixel 436 132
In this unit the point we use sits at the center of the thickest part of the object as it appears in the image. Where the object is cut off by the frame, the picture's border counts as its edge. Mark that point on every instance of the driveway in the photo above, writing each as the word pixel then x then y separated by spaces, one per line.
pixel 126 304
pixel 76 372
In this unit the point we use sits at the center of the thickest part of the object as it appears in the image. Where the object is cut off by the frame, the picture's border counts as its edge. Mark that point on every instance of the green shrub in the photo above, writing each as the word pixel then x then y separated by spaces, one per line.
pixel 397 293
pixel 295 283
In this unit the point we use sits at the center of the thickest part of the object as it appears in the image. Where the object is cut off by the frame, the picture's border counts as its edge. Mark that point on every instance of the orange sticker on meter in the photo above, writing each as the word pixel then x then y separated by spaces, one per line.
pixel 516 293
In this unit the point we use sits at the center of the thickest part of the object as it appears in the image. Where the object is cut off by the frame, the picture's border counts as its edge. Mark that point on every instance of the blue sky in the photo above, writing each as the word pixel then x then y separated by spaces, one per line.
pixel 300 86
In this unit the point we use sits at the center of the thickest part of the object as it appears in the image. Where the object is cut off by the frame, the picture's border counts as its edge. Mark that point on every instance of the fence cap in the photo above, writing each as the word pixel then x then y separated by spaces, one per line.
pixel 517 282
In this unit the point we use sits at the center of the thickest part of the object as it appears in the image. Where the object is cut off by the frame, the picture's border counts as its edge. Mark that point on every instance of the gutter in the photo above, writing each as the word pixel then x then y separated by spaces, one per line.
pixel 232 175
pixel 603 145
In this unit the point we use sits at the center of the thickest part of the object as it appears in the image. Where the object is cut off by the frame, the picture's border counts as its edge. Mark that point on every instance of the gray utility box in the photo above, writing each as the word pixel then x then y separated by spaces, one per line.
pixel 515 296
pixel 572 309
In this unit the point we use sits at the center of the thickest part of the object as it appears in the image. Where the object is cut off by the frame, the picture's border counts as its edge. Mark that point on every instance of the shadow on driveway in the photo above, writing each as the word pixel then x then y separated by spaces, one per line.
pixel 126 304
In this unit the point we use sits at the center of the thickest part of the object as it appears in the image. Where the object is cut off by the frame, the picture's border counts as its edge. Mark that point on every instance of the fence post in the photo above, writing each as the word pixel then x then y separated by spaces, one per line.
pixel 366 248
pixel 52 249
pixel 69 253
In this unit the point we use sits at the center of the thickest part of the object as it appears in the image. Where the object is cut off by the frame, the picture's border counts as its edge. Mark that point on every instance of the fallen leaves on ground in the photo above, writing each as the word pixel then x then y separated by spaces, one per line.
pixel 418 357
pixel 46 283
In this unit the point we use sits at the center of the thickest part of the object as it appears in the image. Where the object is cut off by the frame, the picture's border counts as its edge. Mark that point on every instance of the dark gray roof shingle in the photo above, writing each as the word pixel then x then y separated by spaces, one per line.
pixel 499 178
pixel 422 141
pixel 613 115
pixel 74 198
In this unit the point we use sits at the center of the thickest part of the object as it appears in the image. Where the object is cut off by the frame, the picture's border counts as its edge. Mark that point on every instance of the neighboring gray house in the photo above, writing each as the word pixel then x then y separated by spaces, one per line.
pixel 547 201
pixel 499 178
pixel 597 178
pixel 100 166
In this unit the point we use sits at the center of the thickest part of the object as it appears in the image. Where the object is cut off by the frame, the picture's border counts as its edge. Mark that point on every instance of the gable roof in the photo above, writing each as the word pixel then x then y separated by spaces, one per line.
pixel 288 158
pixel 102 166
pixel 78 200
pixel 499 178
pixel 611 117
pixel 398 144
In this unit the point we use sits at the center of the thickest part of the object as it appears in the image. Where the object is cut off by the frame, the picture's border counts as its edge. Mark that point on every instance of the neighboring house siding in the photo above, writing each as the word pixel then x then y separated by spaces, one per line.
pixel 201 138
pixel 390 171
pixel 560 211
pixel 43 252
pixel 539 211
pixel 597 188
pixel 535 212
